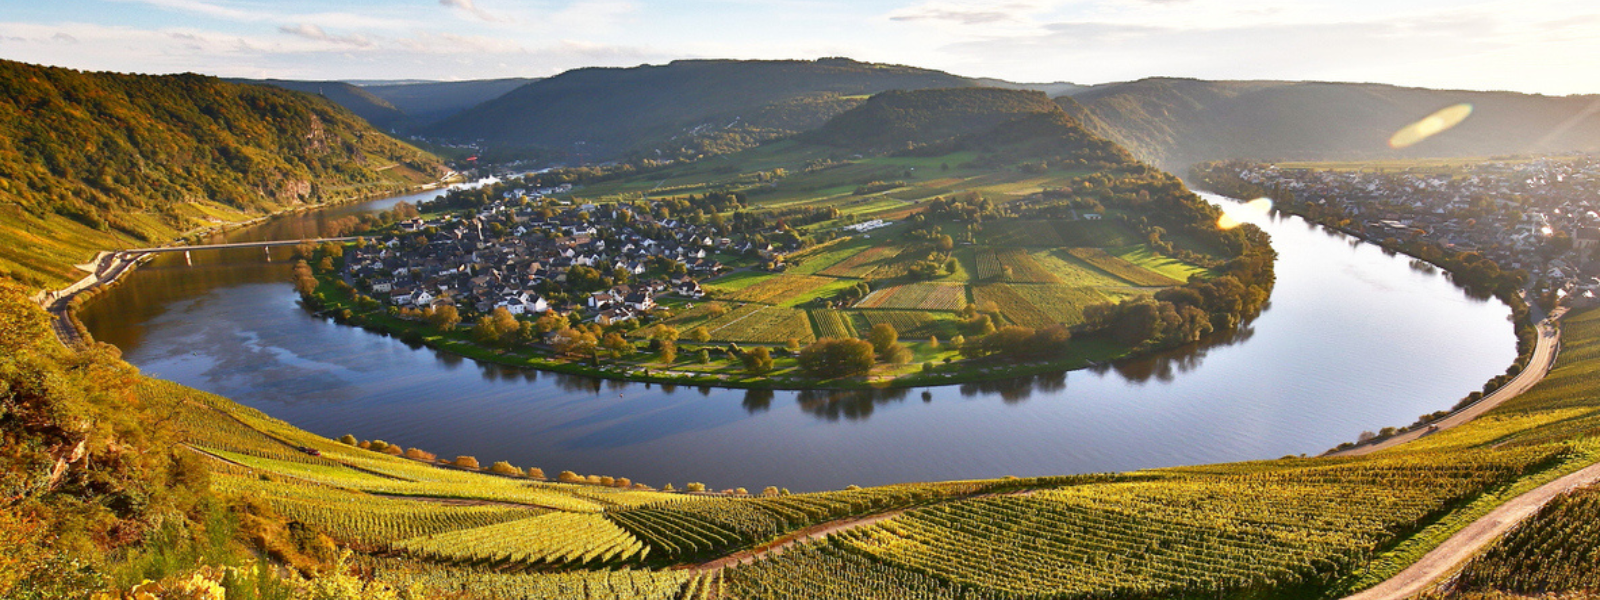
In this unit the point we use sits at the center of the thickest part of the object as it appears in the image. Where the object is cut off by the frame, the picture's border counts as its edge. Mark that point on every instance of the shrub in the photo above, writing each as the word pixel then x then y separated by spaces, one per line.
pixel 536 473
pixel 377 445
pixel 393 450
pixel 466 462
pixel 568 477
pixel 418 454
pixel 695 487
pixel 504 468
pixel 348 440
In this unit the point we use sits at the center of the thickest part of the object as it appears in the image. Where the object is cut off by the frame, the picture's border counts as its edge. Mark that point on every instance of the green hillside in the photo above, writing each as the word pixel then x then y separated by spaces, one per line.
pixel 684 107
pixel 1177 122
pixel 97 161
pixel 377 111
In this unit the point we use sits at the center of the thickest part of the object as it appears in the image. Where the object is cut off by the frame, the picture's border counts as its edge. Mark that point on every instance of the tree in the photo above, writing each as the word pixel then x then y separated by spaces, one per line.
pixel 883 337
pixel 536 473
pixel 757 361
pixel 504 468
pixel 668 353
pixel 348 440
pixel 933 342
pixel 466 462
pixel 618 345
pixel 668 488
pixel 699 334
pixel 831 358
pixel 444 317
pixel 568 477
pixel 792 344
pixel 695 487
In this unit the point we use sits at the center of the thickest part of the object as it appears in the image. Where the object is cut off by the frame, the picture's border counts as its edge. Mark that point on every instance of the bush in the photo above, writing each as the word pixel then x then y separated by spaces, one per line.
pixel 536 473
pixel 569 477
pixel 393 450
pixel 348 440
pixel 418 454
pixel 466 462
pixel 695 487
pixel 504 468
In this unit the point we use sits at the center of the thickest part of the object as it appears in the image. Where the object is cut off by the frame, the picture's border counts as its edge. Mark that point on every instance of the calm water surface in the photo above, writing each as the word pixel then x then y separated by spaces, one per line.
pixel 1353 340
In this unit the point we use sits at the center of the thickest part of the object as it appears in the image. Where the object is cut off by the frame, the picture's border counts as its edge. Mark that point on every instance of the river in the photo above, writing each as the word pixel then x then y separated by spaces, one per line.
pixel 1354 339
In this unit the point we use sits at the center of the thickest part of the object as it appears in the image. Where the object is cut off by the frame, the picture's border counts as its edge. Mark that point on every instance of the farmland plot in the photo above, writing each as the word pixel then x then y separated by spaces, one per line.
pixel 1037 305
pixel 760 324
pixel 918 296
pixel 1133 273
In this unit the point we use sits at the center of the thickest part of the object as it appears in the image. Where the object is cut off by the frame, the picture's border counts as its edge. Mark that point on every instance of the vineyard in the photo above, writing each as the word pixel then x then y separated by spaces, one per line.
pixel 560 538
pixel 1123 269
pixel 913 324
pixel 1055 234
pixel 1283 527
pixel 1037 305
pixel 1555 552
pixel 877 262
pixel 758 323
pixel 777 289
pixel 832 324
pixel 918 296
pixel 992 263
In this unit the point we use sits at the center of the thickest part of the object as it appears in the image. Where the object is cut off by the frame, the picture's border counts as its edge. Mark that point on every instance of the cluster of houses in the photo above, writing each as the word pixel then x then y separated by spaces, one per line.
pixel 1509 211
pixel 508 251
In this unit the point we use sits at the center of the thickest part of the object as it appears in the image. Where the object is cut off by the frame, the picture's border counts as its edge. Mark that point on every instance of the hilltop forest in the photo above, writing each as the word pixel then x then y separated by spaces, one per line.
pixel 98 161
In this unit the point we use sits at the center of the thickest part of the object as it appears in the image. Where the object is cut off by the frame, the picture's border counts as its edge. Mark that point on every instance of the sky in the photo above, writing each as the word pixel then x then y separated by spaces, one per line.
pixel 1538 46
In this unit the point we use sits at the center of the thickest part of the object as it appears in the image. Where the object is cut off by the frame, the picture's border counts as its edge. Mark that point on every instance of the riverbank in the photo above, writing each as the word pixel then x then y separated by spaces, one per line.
pixel 723 371
pixel 108 266
pixel 1530 329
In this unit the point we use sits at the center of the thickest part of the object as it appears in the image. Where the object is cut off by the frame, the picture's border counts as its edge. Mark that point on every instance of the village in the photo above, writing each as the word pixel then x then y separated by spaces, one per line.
pixel 1539 215
pixel 533 254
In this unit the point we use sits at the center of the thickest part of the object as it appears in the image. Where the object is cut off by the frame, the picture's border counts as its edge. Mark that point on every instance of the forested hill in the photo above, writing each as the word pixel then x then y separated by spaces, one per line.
pixel 1177 122
pixel 686 107
pixel 1008 126
pixel 377 111
pixel 96 161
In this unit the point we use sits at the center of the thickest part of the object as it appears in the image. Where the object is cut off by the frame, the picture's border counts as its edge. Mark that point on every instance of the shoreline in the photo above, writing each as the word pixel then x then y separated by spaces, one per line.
pixel 109 266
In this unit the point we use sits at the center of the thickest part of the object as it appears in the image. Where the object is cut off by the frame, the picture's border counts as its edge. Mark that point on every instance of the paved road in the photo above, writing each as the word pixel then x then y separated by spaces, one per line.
pixel 1544 356
pixel 1466 543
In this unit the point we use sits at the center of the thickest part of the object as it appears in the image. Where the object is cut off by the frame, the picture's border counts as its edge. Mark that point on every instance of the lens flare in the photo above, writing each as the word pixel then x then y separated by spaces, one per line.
pixel 1430 126
pixel 1239 214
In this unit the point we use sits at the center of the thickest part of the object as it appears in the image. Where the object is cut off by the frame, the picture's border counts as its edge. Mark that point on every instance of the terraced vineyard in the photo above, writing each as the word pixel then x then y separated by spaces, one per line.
pixel 1283 527
pixel 1556 552
pixel 365 520
pixel 560 538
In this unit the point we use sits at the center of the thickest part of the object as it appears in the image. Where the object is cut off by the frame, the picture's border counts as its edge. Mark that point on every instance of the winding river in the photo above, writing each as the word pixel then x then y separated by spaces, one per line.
pixel 1354 339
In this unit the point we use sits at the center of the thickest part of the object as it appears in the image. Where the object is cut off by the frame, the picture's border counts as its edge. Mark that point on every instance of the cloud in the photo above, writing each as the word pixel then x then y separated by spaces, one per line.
pixel 313 32
pixel 969 14
pixel 64 38
pixel 469 7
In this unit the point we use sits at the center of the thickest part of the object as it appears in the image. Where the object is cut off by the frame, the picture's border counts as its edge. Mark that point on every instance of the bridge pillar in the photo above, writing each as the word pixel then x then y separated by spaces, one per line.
pixel 188 260
pixel 267 250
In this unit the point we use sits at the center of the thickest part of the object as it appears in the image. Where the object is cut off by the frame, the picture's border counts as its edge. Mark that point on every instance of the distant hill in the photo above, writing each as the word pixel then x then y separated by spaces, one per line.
pixel 920 117
pixel 1177 122
pixel 427 102
pixel 685 107
pixel 96 161
pixel 377 111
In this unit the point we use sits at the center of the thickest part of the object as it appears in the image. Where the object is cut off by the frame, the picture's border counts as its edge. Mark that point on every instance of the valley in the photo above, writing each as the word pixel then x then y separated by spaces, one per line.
pixel 785 329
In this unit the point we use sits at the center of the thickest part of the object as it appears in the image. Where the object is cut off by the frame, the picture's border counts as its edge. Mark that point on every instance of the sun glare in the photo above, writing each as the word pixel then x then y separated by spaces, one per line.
pixel 1234 216
pixel 1430 126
